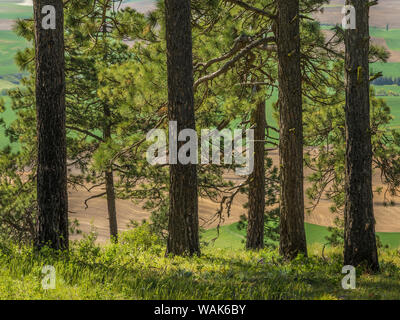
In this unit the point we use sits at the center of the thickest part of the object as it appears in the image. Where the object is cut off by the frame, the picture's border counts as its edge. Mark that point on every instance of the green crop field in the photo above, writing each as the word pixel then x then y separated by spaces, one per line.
pixel 389 69
pixel 394 103
pixel 392 37
pixel 10 10
pixel 10 43
pixel 8 116
pixel 231 237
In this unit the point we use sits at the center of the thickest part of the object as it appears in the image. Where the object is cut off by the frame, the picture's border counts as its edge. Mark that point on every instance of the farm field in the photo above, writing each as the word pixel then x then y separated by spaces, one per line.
pixel 389 69
pixel 386 13
pixel 230 237
pixel 10 43
pixel 11 10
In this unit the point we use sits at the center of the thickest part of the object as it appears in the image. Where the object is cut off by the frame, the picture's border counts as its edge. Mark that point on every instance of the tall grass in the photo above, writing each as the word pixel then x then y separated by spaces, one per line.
pixel 136 268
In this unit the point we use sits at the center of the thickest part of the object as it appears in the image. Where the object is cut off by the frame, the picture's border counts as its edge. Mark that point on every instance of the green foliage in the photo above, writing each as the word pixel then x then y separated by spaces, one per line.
pixel 142 237
pixel 230 237
pixel 271 228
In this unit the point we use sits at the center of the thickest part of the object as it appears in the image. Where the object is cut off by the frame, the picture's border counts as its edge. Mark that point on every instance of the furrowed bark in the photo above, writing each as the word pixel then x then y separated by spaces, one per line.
pixel 183 238
pixel 292 232
pixel 255 227
pixel 52 194
pixel 359 235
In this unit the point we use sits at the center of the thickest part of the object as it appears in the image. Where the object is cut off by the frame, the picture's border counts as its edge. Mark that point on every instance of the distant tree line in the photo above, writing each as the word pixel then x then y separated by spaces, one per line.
pixel 383 81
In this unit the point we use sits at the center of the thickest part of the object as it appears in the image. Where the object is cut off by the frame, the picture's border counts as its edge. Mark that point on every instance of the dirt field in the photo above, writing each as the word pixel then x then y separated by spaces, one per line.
pixel 387 12
pixel 387 218
pixel 6 24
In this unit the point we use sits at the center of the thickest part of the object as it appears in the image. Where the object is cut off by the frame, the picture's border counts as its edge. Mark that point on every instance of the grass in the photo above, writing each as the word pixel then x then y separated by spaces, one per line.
pixel 137 268
pixel 8 116
pixel 393 102
pixel 4 84
pixel 389 69
pixel 10 43
pixel 232 238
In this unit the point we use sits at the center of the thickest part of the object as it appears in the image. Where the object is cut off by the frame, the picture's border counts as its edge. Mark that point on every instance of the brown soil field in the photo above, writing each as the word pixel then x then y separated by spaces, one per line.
pixel 394 55
pixel 6 24
pixel 387 217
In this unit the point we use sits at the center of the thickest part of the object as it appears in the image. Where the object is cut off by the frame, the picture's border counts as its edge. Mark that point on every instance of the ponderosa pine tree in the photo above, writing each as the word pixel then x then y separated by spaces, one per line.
pixel 255 227
pixel 359 235
pixel 51 133
pixel 292 232
pixel 183 225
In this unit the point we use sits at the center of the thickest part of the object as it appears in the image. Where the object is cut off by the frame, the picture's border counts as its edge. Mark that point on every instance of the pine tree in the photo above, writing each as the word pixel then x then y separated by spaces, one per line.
pixel 50 105
pixel 183 226
pixel 359 235
pixel 292 232
pixel 255 228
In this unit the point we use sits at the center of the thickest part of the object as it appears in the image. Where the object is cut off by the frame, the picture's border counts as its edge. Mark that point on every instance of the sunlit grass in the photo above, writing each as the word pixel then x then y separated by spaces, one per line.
pixel 138 269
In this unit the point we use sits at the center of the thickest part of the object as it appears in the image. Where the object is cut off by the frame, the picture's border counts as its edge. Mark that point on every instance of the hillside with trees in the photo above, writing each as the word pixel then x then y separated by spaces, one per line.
pixel 245 150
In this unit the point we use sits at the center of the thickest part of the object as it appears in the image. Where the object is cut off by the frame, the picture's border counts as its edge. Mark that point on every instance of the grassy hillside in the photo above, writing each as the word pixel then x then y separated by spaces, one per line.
pixel 10 43
pixel 232 238
pixel 137 268
pixel 389 69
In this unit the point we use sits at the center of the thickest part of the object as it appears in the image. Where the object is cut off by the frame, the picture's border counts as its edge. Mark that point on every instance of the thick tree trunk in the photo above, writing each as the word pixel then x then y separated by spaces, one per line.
pixel 255 227
pixel 50 104
pixel 292 232
pixel 183 225
pixel 359 236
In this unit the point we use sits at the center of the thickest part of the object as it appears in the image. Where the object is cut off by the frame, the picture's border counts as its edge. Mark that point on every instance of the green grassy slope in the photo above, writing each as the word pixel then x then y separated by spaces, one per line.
pixel 231 237
pixel 10 43
pixel 137 268
pixel 8 116
pixel 389 69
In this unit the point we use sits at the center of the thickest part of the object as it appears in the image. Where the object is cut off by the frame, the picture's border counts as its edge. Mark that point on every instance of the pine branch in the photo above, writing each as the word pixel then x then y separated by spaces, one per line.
pixel 253 9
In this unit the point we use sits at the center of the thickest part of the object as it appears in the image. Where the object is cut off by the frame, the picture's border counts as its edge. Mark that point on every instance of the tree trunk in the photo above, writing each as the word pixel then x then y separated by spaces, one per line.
pixel 292 232
pixel 359 236
pixel 255 227
pixel 112 210
pixel 52 194
pixel 183 225
pixel 109 179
